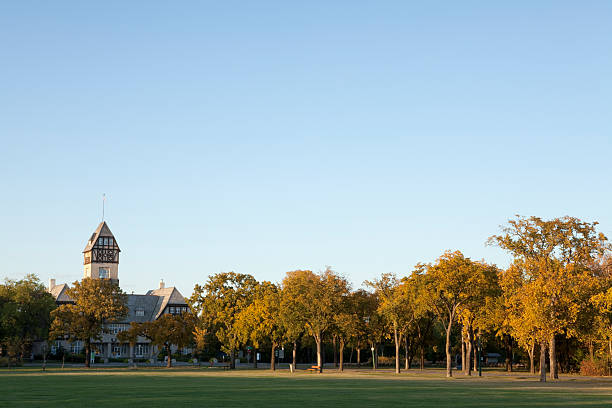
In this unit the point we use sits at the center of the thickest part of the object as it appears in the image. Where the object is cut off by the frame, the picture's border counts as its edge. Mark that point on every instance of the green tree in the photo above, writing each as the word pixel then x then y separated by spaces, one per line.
pixel 218 303
pixel 96 301
pixel 25 307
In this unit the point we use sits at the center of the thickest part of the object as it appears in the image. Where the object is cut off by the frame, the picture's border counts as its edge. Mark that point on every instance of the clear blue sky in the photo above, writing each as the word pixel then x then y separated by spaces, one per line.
pixel 263 137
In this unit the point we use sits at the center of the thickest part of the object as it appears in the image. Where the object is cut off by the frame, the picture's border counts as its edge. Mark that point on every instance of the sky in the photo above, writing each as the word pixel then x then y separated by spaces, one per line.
pixel 263 137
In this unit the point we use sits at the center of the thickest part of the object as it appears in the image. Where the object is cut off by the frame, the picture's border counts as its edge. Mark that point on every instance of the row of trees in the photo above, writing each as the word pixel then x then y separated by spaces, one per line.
pixel 557 291
pixel 558 288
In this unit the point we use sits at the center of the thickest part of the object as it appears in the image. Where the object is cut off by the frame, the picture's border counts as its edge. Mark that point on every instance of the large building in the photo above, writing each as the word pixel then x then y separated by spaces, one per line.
pixel 101 261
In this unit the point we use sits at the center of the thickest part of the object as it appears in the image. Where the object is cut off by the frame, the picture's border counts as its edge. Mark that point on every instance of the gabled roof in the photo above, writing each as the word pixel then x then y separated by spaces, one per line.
pixel 59 293
pixel 101 231
pixel 167 296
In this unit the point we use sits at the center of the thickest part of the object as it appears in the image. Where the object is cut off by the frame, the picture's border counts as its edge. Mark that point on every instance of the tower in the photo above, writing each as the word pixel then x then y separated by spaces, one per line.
pixel 101 255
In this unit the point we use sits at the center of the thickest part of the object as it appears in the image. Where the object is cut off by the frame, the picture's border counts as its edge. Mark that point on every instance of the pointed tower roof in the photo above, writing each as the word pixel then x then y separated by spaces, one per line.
pixel 101 231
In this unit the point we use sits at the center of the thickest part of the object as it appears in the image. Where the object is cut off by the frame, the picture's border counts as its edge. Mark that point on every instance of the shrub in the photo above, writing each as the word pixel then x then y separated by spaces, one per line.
pixel 594 367
pixel 386 361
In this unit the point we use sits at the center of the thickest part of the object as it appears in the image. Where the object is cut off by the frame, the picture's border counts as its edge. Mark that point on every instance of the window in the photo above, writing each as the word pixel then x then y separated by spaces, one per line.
pixel 56 347
pixel 110 241
pixel 115 328
pixel 116 350
pixel 105 241
pixel 139 312
pixel 141 350
pixel 76 346
pixel 103 273
pixel 172 310
pixel 100 241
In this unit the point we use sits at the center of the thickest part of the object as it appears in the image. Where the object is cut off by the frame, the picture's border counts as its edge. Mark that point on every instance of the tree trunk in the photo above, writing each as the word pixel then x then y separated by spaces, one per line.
pixel 475 354
pixel 169 352
pixel 552 356
pixel 407 363
pixel 319 355
pixel 87 353
pixel 273 357
pixel 422 359
pixel 468 360
pixel 341 366
pixel 254 357
pixel 358 357
pixel 449 360
pixel 531 352
pixel 542 361
pixel 463 365
pixel 334 347
pixel 232 363
pixel 294 354
pixel 397 350
pixel 509 354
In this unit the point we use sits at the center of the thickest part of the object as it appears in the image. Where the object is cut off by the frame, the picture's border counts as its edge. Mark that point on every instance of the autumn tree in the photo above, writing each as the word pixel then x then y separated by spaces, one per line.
pixel 452 282
pixel 317 298
pixel 261 320
pixel 218 303
pixel 167 331
pixel 555 258
pixel 394 307
pixel 96 301
pixel 362 306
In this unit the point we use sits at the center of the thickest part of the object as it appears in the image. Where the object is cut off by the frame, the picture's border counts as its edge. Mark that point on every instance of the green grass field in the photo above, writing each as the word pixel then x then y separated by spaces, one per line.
pixel 246 388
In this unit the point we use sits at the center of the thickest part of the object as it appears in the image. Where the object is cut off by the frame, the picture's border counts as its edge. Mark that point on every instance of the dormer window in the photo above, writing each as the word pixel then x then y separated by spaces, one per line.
pixel 139 312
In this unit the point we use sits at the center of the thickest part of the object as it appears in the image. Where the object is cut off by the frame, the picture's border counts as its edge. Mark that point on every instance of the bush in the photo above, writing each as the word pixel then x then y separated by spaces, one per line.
pixel 4 362
pixel 386 361
pixel 594 367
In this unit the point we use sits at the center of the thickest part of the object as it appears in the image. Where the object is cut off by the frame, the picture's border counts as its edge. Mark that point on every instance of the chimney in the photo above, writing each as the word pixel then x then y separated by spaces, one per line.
pixel 162 284
pixel 51 283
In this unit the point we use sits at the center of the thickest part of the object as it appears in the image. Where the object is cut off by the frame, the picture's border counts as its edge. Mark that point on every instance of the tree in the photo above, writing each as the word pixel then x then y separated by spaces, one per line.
pixel 261 320
pixel 167 331
pixel 420 314
pixel 96 301
pixel 556 258
pixel 25 307
pixel 394 307
pixel 316 297
pixel 347 323
pixel 452 282
pixel 218 303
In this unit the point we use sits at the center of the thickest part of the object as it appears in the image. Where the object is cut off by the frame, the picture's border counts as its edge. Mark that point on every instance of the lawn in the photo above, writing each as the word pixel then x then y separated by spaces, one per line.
pixel 206 388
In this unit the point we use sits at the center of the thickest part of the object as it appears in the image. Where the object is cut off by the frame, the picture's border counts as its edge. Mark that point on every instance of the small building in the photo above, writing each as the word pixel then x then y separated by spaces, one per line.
pixel 101 261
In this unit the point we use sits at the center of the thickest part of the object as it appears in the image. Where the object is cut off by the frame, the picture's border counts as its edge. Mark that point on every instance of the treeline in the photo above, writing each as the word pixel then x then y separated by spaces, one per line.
pixel 558 290
pixel 554 300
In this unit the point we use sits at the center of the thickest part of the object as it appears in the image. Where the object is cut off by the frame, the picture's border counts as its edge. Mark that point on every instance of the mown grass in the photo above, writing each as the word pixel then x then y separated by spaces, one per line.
pixel 247 388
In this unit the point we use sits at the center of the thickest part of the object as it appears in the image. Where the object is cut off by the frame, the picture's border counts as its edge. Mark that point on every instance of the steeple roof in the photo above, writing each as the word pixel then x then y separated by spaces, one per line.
pixel 101 231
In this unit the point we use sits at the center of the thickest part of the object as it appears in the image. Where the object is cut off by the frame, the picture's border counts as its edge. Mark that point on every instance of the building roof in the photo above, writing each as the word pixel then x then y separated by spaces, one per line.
pixel 151 306
pixel 101 231
pixel 59 293
pixel 167 296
